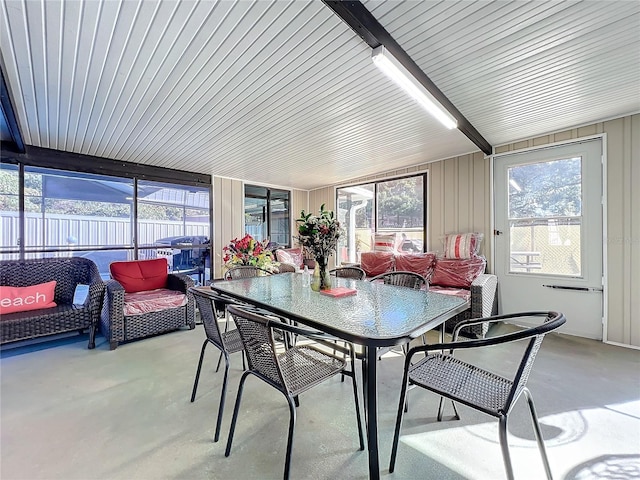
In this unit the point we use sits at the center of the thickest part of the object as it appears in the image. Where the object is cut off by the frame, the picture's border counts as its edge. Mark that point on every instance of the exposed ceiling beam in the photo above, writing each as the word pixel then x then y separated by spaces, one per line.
pixel 365 25
pixel 9 114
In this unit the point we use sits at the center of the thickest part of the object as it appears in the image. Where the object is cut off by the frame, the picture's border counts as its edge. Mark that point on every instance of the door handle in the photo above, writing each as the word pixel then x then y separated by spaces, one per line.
pixel 579 289
pixel 497 232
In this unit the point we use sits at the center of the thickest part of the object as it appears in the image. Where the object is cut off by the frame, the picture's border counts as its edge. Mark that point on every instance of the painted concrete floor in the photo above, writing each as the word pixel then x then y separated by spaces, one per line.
pixel 71 413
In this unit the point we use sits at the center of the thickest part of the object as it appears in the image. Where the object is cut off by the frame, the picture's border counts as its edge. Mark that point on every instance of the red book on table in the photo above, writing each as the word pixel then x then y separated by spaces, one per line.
pixel 339 291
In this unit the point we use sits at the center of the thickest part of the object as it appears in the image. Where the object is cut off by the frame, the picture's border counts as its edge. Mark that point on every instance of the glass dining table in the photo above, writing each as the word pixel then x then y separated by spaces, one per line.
pixel 377 315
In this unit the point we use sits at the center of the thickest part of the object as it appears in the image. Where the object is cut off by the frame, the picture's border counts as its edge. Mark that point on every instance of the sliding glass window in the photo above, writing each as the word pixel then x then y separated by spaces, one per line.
pixel 392 208
pixel 94 216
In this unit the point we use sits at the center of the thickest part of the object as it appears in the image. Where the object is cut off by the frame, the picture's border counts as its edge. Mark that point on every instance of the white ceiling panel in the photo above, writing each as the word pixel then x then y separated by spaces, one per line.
pixel 283 92
pixel 521 69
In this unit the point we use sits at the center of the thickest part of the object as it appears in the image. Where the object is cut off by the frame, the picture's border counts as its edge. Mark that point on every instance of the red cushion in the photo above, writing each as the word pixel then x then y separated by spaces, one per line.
pixel 375 263
pixel 140 275
pixel 420 263
pixel 23 299
pixel 457 273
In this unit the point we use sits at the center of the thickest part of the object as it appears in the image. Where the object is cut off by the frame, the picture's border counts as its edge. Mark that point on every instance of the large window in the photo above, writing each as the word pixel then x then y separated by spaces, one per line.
pixel 267 214
pixel 94 216
pixel 395 208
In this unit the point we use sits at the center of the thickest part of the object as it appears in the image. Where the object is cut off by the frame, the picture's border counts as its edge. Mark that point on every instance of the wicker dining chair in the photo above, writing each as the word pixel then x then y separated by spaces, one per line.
pixel 245 271
pixel 293 371
pixel 227 342
pixel 348 272
pixel 402 279
pixel 480 389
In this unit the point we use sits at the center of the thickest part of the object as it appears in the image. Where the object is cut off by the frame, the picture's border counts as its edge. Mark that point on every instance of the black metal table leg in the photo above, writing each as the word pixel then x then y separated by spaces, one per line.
pixel 371 410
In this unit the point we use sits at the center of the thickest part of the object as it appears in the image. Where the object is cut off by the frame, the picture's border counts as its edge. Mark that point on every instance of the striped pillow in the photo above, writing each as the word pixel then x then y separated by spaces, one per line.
pixel 464 245
pixel 384 242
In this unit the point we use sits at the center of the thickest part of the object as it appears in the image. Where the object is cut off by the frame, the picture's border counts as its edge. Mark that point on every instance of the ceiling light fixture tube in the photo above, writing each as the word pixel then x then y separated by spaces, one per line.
pixel 393 69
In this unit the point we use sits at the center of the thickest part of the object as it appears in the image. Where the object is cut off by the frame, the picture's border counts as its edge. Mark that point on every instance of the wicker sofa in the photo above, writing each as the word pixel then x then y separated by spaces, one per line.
pixel 66 316
pixel 119 326
pixel 461 277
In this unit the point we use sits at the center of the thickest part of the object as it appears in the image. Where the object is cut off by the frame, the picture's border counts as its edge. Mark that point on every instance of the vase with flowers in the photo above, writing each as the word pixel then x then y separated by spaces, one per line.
pixel 318 235
pixel 249 251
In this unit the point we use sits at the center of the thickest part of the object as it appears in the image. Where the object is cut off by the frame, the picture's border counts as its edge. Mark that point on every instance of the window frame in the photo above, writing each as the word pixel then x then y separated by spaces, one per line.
pixel 79 165
pixel 425 181
pixel 268 198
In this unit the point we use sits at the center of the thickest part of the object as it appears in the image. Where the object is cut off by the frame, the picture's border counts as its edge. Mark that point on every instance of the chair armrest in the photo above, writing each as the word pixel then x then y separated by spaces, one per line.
pixel 182 283
pixel 484 296
pixel 179 281
pixel 554 320
pixel 112 315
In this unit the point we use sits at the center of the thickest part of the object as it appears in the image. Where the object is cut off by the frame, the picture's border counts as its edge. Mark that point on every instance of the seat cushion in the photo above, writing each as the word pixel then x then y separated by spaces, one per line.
pixel 149 301
pixel 140 275
pixel 457 273
pixel 24 299
pixel 458 292
pixel 420 263
pixel 375 263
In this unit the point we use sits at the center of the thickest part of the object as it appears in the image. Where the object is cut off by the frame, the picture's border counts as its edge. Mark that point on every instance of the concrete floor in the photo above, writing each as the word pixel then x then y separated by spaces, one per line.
pixel 70 413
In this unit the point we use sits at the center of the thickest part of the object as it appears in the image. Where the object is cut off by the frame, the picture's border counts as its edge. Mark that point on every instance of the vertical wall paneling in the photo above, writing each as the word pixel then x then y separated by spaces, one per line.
pixel 228 217
pixel 633 155
pixel 622 229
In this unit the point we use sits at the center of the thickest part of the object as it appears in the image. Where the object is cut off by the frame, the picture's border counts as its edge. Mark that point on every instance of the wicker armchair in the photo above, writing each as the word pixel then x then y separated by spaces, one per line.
pixel 286 268
pixel 65 317
pixel 471 385
pixel 118 327
pixel 292 372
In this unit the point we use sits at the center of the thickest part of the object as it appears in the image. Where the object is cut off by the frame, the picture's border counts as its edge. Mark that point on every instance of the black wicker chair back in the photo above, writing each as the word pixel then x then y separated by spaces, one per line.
pixel 291 370
pixel 245 271
pixel 349 272
pixel 402 279
pixel 227 342
pixel 480 389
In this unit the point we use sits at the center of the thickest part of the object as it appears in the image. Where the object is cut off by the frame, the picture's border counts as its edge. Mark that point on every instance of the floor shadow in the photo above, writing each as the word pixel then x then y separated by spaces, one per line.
pixel 36 345
pixel 607 467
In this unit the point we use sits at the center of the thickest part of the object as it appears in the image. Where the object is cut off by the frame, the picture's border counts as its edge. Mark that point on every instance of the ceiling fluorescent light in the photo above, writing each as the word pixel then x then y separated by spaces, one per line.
pixel 393 69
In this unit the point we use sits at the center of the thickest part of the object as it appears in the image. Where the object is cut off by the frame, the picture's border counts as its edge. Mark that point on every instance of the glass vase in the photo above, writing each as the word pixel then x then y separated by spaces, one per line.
pixel 321 279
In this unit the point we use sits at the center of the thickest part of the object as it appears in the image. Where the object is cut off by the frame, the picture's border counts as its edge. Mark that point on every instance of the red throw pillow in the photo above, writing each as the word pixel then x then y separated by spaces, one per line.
pixel 140 275
pixel 420 263
pixel 375 263
pixel 457 273
pixel 23 299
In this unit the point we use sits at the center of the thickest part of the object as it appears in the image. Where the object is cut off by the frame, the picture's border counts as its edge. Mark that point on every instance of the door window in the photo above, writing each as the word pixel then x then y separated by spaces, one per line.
pixel 545 217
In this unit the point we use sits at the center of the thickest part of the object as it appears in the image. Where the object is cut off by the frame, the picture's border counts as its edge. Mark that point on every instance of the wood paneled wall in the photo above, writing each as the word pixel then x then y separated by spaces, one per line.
pixel 622 223
pixel 459 200
pixel 228 214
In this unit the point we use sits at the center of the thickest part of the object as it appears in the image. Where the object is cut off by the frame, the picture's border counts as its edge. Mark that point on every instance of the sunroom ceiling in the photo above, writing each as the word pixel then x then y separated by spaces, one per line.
pixel 284 93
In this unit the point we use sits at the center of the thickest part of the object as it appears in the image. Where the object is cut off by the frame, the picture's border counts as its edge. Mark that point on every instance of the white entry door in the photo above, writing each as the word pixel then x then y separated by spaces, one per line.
pixel 548 233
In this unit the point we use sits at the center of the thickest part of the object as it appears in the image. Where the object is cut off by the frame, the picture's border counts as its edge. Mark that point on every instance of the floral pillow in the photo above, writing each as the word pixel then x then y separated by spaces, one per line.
pixel 462 245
